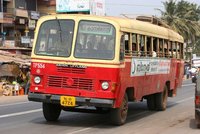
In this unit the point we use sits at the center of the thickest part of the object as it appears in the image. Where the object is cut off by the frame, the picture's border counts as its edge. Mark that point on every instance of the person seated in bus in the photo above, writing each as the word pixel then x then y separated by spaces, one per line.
pixel 154 54
pixel 134 52
pixel 79 48
pixel 111 43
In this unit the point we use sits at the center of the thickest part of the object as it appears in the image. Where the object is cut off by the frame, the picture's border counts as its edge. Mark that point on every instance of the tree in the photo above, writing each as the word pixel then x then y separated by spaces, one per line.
pixel 183 17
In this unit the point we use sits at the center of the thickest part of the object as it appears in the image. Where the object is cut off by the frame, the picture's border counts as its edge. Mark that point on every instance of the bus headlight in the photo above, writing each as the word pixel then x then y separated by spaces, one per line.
pixel 105 85
pixel 37 79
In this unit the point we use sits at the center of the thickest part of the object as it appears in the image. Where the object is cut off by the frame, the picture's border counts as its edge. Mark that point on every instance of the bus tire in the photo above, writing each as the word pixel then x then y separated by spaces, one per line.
pixel 197 118
pixel 51 112
pixel 119 115
pixel 161 100
pixel 151 102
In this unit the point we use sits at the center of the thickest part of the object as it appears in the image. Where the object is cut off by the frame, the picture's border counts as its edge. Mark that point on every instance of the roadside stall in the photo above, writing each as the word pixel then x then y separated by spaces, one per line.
pixel 13 73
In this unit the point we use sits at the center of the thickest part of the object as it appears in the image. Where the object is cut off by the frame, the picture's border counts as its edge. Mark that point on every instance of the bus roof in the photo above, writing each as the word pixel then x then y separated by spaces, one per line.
pixel 128 25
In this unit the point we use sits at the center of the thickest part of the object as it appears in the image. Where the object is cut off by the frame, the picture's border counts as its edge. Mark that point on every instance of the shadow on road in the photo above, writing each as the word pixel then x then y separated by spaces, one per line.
pixel 137 111
pixel 193 124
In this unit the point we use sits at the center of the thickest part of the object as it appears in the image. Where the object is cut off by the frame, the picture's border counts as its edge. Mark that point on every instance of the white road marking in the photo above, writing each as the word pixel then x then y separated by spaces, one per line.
pixel 181 101
pixel 20 113
pixel 185 85
pixel 18 103
pixel 81 130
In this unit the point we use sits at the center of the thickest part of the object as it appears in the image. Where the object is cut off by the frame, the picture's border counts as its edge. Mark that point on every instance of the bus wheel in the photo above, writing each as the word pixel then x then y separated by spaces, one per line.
pixel 51 112
pixel 118 115
pixel 161 99
pixel 197 118
pixel 151 102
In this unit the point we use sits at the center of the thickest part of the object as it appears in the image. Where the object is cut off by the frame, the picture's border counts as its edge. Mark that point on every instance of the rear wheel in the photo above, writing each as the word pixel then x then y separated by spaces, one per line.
pixel 119 115
pixel 51 112
pixel 197 118
pixel 161 99
pixel 151 102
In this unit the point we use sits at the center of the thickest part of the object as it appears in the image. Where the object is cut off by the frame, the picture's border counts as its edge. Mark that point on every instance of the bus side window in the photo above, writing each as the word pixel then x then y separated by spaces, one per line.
pixel 181 51
pixel 166 50
pixel 155 45
pixel 161 46
pixel 178 50
pixel 142 44
pixel 174 49
pixel 122 44
pixel 149 48
pixel 134 50
pixel 127 42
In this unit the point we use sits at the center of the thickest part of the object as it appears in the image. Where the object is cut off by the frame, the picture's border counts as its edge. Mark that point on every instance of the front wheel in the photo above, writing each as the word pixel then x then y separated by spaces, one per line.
pixel 119 115
pixel 51 112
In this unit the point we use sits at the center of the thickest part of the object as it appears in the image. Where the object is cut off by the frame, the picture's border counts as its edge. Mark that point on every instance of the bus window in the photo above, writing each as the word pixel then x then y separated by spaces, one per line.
pixel 127 46
pixel 166 48
pixel 174 49
pixel 134 45
pixel 122 44
pixel 161 50
pixel 181 51
pixel 149 49
pixel 155 45
pixel 97 40
pixel 142 44
pixel 178 50
pixel 55 38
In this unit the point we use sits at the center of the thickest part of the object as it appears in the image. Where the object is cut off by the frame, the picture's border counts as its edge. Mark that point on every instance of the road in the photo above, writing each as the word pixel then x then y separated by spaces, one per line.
pixel 19 116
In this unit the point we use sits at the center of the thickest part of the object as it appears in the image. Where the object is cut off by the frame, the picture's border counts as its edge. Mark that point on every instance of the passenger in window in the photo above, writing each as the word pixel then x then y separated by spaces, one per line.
pixel 134 49
pixel 111 43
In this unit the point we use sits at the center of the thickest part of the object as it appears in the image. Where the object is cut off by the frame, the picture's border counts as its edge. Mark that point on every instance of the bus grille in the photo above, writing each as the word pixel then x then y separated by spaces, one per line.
pixel 71 70
pixel 78 83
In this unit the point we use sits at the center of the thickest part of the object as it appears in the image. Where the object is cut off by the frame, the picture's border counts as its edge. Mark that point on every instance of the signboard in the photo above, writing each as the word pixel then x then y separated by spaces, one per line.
pixel 95 28
pixel 21 13
pixel 97 7
pixel 141 67
pixel 72 5
pixel 25 39
pixel 9 43
pixel 34 15
pixel 31 24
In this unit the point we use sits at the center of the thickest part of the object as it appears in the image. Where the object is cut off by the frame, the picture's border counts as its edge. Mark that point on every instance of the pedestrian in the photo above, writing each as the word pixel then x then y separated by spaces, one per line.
pixel 187 72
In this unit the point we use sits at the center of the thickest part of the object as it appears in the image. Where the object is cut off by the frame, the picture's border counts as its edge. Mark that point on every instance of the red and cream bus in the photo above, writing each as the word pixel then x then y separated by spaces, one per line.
pixel 81 61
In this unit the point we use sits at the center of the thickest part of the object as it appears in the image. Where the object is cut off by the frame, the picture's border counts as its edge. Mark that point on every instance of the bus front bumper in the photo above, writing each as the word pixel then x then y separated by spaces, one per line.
pixel 80 101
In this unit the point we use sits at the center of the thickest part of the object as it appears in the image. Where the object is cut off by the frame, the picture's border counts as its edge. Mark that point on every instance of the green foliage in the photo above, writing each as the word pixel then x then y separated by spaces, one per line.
pixel 184 17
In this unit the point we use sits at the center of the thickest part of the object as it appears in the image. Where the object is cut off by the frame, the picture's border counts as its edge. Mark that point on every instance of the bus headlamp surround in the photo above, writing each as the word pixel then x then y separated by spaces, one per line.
pixel 105 85
pixel 37 80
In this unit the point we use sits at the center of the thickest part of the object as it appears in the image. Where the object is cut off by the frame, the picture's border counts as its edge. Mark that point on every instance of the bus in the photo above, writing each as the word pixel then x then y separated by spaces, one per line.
pixel 101 63
pixel 197 100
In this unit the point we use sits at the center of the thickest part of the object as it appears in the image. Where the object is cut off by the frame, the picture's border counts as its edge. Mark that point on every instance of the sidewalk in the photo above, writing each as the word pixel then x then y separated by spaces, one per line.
pixel 13 99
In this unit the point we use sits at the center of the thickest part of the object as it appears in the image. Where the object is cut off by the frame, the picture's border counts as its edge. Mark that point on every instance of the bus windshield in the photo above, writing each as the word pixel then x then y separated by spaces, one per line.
pixel 95 40
pixel 55 38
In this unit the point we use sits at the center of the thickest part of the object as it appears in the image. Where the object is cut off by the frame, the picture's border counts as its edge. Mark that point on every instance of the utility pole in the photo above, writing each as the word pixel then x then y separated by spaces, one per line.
pixel 2 40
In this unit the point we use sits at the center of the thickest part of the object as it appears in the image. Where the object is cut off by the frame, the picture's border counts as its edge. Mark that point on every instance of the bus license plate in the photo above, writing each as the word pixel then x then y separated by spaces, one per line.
pixel 67 101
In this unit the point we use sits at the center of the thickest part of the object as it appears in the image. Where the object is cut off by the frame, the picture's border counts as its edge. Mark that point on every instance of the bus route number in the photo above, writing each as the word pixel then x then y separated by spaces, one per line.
pixel 38 65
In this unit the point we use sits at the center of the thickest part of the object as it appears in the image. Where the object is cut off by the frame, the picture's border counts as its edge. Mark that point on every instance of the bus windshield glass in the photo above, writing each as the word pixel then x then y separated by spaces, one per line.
pixel 55 38
pixel 95 40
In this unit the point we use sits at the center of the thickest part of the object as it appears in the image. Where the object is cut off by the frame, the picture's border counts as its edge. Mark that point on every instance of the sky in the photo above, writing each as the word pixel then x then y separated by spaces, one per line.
pixel 133 8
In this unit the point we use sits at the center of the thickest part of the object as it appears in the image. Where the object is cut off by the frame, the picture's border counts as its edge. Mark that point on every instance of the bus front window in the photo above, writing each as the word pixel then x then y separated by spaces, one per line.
pixel 95 40
pixel 55 38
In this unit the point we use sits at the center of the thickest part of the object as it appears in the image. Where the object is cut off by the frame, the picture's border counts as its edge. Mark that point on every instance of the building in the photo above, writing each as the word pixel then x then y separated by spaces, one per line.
pixel 18 20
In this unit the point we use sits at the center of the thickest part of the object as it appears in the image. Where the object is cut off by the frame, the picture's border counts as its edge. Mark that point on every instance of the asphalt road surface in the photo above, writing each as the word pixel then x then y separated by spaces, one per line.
pixel 19 116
